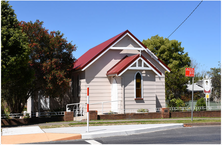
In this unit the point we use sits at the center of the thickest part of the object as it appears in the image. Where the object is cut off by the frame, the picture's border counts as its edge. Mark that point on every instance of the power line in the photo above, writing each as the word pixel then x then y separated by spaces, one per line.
pixel 185 19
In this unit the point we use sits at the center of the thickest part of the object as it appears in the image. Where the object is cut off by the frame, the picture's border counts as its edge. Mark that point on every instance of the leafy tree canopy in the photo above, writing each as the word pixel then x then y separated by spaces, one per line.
pixel 51 58
pixel 169 51
pixel 16 75
pixel 215 74
pixel 172 54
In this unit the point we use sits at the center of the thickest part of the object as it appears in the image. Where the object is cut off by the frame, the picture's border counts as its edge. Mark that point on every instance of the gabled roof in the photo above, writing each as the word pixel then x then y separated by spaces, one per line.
pixel 127 61
pixel 96 51
pixel 92 53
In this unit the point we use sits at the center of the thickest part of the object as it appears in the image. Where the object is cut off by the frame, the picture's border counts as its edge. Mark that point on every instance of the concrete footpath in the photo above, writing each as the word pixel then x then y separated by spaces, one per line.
pixel 32 134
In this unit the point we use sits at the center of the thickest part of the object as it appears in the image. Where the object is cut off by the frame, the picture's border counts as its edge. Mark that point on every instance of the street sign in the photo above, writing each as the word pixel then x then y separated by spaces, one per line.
pixel 207 86
pixel 207 95
pixel 189 72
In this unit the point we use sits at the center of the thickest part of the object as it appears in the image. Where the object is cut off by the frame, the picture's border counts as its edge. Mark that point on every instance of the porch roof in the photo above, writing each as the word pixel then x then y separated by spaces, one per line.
pixel 125 62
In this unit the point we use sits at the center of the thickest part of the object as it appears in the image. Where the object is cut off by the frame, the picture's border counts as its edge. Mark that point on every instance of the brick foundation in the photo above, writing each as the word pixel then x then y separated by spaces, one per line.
pixel 165 113
pixel 68 116
pixel 130 116
pixel 92 115
pixel 196 114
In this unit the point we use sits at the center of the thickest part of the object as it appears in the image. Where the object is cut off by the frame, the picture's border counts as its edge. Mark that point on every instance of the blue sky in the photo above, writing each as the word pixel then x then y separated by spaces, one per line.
pixel 89 23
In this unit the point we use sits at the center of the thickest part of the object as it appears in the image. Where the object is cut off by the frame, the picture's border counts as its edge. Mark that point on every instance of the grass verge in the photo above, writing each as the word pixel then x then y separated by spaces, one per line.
pixel 78 124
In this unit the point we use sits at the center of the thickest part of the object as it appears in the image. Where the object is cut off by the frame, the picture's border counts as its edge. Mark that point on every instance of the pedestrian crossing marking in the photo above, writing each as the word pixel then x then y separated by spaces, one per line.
pixel 92 142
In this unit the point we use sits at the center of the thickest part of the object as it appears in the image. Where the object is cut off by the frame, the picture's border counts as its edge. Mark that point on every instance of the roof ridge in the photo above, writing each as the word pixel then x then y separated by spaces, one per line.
pixel 96 51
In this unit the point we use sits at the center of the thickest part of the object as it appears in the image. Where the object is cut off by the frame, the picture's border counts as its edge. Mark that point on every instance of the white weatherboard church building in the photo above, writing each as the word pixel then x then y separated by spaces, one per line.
pixel 122 73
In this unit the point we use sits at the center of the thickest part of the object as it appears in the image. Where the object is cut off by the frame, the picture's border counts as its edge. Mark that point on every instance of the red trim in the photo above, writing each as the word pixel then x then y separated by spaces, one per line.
pixel 206 91
pixel 138 99
pixel 87 107
pixel 151 65
pixel 128 64
pixel 164 64
pixel 137 39
pixel 87 91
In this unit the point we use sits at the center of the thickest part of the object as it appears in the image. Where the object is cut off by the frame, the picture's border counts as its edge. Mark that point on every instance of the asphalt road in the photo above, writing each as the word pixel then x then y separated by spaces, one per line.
pixel 186 135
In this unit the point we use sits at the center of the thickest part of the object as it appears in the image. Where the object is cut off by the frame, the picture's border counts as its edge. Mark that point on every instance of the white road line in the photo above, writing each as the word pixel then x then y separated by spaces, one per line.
pixel 92 142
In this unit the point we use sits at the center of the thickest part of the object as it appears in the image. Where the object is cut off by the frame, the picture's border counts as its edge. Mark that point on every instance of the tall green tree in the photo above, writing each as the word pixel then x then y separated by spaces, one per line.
pixel 16 75
pixel 215 74
pixel 51 58
pixel 173 55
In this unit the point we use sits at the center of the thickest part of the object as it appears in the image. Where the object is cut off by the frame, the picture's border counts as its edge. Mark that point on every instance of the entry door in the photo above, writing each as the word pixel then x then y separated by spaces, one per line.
pixel 114 96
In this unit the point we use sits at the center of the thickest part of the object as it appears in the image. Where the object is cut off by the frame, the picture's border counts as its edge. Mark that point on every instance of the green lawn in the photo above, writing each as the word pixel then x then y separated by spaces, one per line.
pixel 101 123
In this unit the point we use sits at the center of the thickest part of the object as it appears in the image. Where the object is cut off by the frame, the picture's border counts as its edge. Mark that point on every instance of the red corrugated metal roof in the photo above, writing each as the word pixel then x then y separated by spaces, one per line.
pixel 125 62
pixel 122 64
pixel 92 53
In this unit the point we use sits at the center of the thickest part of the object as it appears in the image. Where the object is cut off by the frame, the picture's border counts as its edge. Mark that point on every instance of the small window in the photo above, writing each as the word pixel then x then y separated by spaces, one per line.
pixel 138 86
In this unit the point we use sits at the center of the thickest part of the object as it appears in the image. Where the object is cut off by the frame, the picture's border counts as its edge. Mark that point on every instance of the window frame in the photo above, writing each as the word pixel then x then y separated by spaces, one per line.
pixel 135 86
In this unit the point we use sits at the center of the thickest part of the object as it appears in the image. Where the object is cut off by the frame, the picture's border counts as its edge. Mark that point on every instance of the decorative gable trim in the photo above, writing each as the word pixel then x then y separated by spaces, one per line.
pixel 134 62
pixel 144 61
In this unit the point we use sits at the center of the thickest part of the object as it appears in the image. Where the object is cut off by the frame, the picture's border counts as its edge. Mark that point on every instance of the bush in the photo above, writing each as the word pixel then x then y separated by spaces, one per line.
pixel 111 112
pixel 26 116
pixel 177 103
pixel 143 110
pixel 200 103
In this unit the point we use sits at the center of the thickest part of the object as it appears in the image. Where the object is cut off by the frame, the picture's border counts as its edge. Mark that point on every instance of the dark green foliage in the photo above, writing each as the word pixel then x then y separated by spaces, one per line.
pixel 51 58
pixel 169 51
pixel 175 83
pixel 172 54
pixel 215 74
pixel 201 103
pixel 177 103
pixel 16 74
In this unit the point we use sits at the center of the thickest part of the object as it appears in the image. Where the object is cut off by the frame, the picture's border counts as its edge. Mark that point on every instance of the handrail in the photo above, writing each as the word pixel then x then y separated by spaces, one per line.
pixel 84 104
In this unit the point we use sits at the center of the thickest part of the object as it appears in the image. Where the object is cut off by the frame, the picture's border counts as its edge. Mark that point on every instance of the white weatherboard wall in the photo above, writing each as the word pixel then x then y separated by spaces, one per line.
pixel 149 98
pixel 99 91
pixel 160 92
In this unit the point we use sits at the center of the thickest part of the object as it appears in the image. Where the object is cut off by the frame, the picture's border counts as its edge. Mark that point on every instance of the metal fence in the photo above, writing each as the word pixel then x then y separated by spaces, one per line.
pixel 33 114
pixel 206 108
pixel 79 109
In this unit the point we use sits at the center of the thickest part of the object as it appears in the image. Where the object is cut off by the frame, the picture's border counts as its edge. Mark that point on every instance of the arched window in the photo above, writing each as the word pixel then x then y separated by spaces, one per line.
pixel 138 85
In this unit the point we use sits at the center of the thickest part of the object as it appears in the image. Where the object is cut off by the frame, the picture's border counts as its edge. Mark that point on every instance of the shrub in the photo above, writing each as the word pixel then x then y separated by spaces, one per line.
pixel 177 103
pixel 111 112
pixel 26 116
pixel 200 103
pixel 143 110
